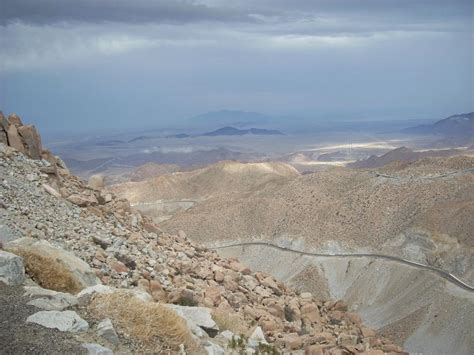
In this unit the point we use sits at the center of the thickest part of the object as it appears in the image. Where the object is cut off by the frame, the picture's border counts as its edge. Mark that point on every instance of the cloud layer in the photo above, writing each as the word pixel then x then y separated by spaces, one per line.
pixel 267 55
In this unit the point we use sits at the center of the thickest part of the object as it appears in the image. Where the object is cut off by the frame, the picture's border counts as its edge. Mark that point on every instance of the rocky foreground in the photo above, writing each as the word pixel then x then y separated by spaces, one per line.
pixel 79 263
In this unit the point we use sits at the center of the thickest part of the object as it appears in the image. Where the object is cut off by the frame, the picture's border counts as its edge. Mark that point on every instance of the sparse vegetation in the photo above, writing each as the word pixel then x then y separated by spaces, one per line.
pixel 157 327
pixel 289 314
pixel 186 301
pixel 239 344
pixel 266 349
pixel 48 273
pixel 229 321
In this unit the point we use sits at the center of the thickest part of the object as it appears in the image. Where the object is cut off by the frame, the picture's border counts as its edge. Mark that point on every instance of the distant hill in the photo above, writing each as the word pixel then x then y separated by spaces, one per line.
pixel 231 118
pixel 231 131
pixel 179 135
pixel 402 154
pixel 456 125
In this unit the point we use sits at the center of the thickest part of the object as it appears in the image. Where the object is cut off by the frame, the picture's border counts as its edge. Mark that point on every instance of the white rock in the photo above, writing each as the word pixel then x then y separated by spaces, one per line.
pixel 86 294
pixel 96 349
pixel 256 338
pixel 51 191
pixel 6 234
pixel 213 349
pixel 227 334
pixel 142 295
pixel 106 330
pixel 54 301
pixel 65 321
pixel 197 317
pixel 12 271
pixel 96 182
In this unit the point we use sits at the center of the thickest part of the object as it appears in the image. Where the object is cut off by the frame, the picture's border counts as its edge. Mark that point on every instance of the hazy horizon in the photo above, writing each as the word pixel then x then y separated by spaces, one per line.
pixel 96 65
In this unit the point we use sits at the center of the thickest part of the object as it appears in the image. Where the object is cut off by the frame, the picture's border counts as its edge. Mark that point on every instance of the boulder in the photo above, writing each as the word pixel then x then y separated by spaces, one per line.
pixel 12 271
pixel 85 296
pixel 311 313
pixel 32 141
pixel 65 321
pixel 14 139
pixel 6 234
pixel 96 182
pixel 52 300
pixel 44 258
pixel 49 189
pixel 96 349
pixel 292 341
pixel 213 349
pixel 347 339
pixel 197 316
pixel 257 337
pixel 105 329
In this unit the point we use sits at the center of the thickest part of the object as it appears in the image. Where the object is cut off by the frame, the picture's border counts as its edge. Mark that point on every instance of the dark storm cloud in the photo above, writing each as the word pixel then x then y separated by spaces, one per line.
pixel 45 12
pixel 390 12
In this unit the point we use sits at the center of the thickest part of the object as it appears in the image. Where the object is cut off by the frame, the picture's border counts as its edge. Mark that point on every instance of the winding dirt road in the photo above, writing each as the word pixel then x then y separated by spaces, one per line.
pixel 444 274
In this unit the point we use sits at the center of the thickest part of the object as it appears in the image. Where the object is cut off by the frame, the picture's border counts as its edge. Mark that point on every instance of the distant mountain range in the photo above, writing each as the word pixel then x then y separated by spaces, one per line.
pixel 231 118
pixel 456 125
pixel 231 131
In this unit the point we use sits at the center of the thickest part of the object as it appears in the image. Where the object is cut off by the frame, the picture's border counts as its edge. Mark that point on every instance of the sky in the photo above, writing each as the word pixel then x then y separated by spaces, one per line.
pixel 95 64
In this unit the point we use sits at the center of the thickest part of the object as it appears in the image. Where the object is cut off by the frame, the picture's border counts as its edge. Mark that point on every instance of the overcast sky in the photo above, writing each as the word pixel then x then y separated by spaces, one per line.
pixel 75 65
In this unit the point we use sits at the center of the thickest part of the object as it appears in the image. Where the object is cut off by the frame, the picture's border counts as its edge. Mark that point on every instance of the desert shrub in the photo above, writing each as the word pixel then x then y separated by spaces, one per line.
pixel 289 314
pixel 49 273
pixel 228 320
pixel 266 349
pixel 154 325
pixel 186 301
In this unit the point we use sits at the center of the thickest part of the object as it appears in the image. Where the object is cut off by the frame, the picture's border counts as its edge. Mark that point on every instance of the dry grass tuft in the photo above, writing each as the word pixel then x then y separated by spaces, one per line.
pixel 227 320
pixel 49 273
pixel 157 327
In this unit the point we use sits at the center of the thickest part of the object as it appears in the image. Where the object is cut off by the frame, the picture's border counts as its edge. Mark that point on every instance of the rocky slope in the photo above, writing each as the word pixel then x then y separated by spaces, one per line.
pixel 72 238
pixel 404 154
pixel 162 196
pixel 397 210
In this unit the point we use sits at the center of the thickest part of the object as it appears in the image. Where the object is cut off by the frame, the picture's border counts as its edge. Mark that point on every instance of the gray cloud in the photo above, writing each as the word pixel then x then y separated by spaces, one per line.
pixel 136 11
pixel 394 14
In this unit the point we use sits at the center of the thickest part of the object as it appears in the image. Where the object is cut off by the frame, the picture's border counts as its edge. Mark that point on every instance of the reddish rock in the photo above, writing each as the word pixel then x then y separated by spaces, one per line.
pixel 270 283
pixel 292 341
pixel 316 349
pixel 310 312
pixel 367 332
pixel 155 286
pixel 354 318
pixel 118 266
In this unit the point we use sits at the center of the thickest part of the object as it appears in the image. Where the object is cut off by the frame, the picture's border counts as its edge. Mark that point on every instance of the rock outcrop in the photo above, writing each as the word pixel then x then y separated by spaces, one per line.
pixel 23 138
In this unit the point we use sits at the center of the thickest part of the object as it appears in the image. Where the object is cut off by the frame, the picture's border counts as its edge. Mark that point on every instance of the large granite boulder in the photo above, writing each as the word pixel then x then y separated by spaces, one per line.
pixel 52 267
